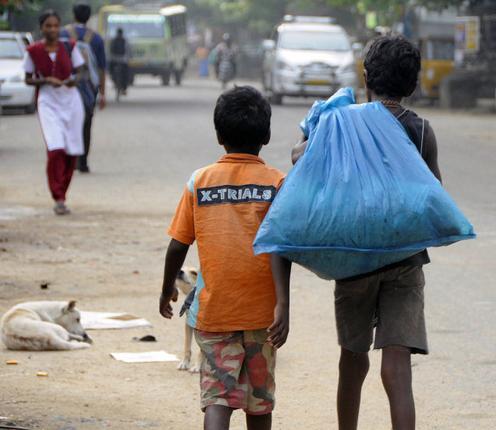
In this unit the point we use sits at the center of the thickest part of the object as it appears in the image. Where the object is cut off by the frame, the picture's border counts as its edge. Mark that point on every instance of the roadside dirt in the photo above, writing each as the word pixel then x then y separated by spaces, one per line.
pixel 113 262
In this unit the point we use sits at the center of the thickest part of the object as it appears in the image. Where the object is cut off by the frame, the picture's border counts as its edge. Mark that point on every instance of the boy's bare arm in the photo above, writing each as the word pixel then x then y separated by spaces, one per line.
pixel 281 272
pixel 431 152
pixel 101 90
pixel 174 259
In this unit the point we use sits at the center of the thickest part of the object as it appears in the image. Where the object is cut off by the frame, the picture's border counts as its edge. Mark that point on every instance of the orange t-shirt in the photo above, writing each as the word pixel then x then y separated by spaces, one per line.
pixel 222 208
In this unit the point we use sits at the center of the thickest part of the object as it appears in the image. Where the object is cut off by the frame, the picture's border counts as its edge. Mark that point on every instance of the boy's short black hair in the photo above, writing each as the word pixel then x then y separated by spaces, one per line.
pixel 392 64
pixel 82 12
pixel 242 118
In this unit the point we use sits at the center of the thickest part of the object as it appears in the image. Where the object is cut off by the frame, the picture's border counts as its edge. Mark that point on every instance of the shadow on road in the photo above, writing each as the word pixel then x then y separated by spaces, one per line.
pixel 8 111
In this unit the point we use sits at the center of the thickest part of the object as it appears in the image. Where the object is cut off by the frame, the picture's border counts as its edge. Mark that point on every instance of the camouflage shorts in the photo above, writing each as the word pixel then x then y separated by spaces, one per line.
pixel 237 370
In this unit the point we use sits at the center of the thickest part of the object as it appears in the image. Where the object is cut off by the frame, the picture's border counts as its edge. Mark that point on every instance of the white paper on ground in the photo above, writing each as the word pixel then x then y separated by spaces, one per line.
pixel 105 320
pixel 144 357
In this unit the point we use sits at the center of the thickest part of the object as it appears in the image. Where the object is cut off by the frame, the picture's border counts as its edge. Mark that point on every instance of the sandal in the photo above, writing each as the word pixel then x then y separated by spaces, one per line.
pixel 61 209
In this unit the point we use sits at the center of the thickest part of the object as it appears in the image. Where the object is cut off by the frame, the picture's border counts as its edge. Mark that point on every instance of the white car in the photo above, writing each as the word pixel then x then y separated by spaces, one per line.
pixel 13 90
pixel 308 56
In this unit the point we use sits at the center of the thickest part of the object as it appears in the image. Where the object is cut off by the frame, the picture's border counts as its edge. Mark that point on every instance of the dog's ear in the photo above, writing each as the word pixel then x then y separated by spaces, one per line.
pixel 70 306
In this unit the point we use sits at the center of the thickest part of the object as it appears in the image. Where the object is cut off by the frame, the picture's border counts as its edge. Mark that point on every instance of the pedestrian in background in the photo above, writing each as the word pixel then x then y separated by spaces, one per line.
pixel 225 60
pixel 119 61
pixel 92 82
pixel 49 65
pixel 202 57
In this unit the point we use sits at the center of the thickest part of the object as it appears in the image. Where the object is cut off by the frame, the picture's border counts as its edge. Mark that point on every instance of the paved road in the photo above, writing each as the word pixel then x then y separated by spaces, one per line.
pixel 108 255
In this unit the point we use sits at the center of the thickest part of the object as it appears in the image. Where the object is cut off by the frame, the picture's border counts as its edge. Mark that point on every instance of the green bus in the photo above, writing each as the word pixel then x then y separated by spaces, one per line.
pixel 157 38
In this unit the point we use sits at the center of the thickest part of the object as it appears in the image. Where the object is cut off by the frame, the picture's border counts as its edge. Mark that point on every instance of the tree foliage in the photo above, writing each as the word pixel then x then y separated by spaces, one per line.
pixel 256 17
pixel 24 13
pixel 15 5
pixel 259 16
pixel 391 10
pixel 378 5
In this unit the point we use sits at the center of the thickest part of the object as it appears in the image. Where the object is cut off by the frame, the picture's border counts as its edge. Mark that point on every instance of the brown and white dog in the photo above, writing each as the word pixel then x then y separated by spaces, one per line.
pixel 43 326
pixel 185 282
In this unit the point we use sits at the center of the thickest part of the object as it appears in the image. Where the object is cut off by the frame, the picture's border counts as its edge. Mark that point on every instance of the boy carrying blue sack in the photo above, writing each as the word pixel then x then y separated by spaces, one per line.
pixel 367 192
pixel 366 200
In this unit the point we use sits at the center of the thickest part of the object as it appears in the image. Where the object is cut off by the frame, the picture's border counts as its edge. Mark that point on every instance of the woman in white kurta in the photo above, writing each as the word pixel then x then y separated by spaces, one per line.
pixel 50 65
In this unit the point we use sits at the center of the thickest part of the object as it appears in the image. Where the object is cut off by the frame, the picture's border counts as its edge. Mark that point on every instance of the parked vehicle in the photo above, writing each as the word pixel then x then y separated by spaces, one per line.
pixel 474 76
pixel 433 33
pixel 156 36
pixel 437 63
pixel 13 90
pixel 309 57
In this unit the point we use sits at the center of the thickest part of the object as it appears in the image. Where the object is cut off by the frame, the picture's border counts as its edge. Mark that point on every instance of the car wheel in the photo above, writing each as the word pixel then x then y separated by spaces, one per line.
pixel 265 85
pixel 178 76
pixel 165 78
pixel 276 99
pixel 30 109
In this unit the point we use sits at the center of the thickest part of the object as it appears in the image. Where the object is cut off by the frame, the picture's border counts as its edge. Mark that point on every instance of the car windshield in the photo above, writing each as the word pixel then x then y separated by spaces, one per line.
pixel 314 41
pixel 137 26
pixel 9 48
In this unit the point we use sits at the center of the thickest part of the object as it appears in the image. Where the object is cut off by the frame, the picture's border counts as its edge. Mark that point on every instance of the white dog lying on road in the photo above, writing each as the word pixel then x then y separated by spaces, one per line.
pixel 43 326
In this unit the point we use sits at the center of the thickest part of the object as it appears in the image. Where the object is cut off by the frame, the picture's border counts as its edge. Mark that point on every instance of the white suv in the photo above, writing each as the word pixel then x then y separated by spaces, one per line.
pixel 13 91
pixel 308 56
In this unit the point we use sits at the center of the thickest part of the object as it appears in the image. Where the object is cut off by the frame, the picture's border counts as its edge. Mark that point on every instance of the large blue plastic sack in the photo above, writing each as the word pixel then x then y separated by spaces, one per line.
pixel 360 198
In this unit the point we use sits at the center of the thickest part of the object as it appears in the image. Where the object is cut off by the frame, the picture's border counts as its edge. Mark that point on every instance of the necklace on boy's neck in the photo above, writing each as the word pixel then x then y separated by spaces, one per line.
pixel 391 103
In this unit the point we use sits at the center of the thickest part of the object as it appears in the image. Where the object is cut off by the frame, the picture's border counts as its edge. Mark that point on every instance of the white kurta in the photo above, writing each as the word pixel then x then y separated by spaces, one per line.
pixel 61 110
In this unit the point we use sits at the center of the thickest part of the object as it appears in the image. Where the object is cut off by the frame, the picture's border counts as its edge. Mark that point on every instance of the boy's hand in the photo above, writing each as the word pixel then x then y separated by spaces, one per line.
pixel 103 101
pixel 279 330
pixel 299 149
pixel 174 259
pixel 165 307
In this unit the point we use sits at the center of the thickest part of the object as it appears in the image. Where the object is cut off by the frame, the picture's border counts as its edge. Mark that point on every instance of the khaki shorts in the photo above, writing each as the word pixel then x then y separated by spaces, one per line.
pixel 237 370
pixel 392 302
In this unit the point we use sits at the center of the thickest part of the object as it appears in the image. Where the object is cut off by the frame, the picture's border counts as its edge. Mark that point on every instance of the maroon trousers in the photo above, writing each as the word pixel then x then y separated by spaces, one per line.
pixel 60 168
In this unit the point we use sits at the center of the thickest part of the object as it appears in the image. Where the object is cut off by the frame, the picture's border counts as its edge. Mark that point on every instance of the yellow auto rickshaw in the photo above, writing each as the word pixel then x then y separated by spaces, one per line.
pixel 437 63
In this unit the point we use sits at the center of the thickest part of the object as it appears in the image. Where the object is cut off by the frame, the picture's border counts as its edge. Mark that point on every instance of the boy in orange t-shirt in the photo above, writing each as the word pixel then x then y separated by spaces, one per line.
pixel 240 311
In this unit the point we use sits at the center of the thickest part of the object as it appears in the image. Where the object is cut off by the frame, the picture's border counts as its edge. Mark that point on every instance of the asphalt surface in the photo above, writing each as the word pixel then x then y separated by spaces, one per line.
pixel 144 150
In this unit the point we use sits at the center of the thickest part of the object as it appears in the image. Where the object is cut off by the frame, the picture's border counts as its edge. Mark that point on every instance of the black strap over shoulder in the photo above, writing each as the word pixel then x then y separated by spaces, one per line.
pixel 68 47
pixel 414 127
pixel 87 35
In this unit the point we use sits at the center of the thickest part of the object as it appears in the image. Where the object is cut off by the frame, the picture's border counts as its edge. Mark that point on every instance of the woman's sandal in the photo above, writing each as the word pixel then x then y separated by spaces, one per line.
pixel 61 209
